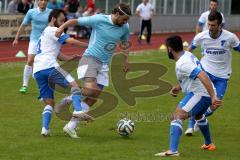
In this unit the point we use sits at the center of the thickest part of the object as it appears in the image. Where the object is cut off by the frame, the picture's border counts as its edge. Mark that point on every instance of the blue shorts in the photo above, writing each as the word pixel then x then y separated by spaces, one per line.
pixel 195 104
pixel 220 84
pixel 47 79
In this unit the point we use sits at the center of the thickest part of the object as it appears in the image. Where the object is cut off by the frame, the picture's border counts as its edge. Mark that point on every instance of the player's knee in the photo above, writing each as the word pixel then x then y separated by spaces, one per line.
pixel 90 89
pixel 90 101
pixel 30 63
pixel 179 114
pixel 49 102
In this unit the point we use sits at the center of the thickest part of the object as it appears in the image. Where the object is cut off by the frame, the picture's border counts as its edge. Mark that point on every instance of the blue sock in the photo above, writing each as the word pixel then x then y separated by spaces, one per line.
pixel 77 102
pixel 204 127
pixel 191 122
pixel 46 116
pixel 175 133
pixel 76 98
pixel 209 112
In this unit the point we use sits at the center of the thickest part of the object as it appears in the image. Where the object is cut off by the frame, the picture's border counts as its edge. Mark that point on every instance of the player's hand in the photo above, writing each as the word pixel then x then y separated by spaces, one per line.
pixel 59 32
pixel 174 91
pixel 216 102
pixel 125 67
pixel 15 42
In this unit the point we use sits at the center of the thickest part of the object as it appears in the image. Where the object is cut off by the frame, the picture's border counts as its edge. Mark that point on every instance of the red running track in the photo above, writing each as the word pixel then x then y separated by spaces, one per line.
pixel 8 52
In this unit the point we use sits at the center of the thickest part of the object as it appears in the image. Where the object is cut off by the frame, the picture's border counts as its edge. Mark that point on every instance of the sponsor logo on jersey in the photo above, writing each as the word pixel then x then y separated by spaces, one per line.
pixel 215 51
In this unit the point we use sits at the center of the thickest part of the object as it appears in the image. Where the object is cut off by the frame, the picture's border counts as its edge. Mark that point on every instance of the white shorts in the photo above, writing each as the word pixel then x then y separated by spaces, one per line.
pixel 32 48
pixel 90 67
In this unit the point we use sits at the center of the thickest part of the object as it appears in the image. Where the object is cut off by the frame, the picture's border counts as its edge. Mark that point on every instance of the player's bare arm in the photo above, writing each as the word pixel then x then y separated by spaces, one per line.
pixel 76 42
pixel 20 30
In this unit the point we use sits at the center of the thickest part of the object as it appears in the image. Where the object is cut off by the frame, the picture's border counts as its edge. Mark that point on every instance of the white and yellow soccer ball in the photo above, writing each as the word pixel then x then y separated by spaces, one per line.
pixel 125 127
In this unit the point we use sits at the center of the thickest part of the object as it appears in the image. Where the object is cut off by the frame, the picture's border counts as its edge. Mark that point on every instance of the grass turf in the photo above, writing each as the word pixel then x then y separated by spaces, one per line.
pixel 20 119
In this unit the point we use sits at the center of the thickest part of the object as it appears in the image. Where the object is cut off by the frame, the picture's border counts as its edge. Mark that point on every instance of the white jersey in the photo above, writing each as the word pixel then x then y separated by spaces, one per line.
pixel 48 49
pixel 217 56
pixel 145 11
pixel 203 20
pixel 187 69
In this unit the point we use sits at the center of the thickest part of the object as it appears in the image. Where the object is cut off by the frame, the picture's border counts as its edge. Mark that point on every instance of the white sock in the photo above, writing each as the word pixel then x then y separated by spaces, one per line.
pixel 26 74
pixel 72 124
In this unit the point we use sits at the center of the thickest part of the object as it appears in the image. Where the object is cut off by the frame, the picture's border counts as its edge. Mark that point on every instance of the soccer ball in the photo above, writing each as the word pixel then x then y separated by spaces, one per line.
pixel 125 127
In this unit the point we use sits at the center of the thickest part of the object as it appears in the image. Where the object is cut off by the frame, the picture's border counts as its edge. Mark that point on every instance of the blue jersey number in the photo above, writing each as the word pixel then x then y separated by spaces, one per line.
pixel 39 47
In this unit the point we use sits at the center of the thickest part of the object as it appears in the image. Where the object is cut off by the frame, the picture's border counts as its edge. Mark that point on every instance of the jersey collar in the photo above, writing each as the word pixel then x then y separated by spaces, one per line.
pixel 217 36
pixel 40 10
pixel 181 54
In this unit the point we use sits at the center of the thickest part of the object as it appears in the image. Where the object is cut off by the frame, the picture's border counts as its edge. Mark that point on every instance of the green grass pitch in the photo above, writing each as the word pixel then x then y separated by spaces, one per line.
pixel 20 121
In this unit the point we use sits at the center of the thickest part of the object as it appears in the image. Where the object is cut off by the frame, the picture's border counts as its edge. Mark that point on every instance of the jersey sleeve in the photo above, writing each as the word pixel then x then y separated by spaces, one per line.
pixel 223 19
pixel 196 41
pixel 90 21
pixel 27 19
pixel 201 21
pixel 61 39
pixel 235 43
pixel 125 35
pixel 138 8
pixel 190 70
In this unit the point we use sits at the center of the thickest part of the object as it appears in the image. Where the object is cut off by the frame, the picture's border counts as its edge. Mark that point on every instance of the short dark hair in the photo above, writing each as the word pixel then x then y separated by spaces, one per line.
pixel 122 9
pixel 215 15
pixel 175 42
pixel 55 13
pixel 216 1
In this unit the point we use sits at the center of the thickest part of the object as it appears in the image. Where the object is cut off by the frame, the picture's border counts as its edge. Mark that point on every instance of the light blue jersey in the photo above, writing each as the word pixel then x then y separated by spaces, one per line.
pixel 38 20
pixel 104 37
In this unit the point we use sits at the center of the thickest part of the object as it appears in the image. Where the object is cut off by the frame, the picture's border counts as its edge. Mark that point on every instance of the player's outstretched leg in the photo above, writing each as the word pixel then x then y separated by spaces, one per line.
pixel 78 109
pixel 26 76
pixel 175 134
pixel 70 127
pixel 204 128
pixel 27 72
pixel 46 119
pixel 79 113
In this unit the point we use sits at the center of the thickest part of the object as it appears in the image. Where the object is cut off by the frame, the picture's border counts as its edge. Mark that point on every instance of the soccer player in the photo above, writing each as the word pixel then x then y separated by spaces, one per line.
pixel 93 68
pixel 46 68
pixel 38 18
pixel 216 44
pixel 145 12
pixel 203 19
pixel 199 94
